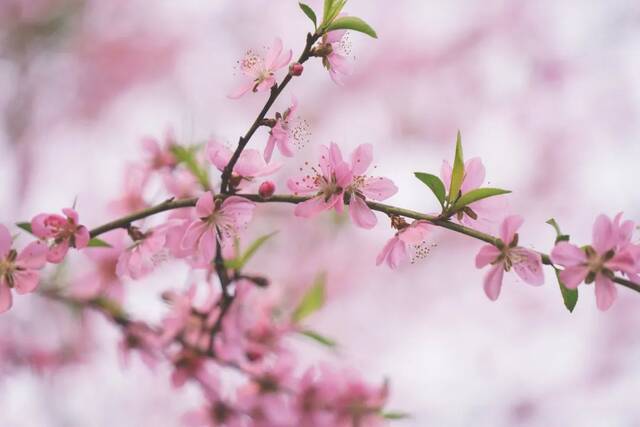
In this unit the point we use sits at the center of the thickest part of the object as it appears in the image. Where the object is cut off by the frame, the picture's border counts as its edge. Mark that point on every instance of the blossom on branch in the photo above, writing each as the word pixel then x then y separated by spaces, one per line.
pixel 64 231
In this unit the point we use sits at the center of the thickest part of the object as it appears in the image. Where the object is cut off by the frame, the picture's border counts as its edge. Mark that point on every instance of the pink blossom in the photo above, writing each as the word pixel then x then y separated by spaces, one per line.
pixel 180 183
pixel 260 70
pixel 250 164
pixel 144 254
pixel 140 337
pixel 366 187
pixel 358 403
pixel 102 280
pixel 226 217
pixel 610 251
pixel 395 251
pixel 65 231
pixel 336 60
pixel 134 183
pixel 287 128
pixel 159 156
pixel 328 184
pixel 18 271
pixel 526 263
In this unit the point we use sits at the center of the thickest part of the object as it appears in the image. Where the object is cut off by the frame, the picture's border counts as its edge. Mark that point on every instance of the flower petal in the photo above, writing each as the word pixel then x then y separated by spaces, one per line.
pixel 33 256
pixel 241 89
pixel 361 214
pixel 493 281
pixel 487 255
pixel 273 53
pixel 378 188
pixel 361 159
pixel 205 205
pixel 26 281
pixel 5 241
pixel 311 207
pixel 6 301
pixel 606 292
pixel 567 255
pixel 604 236
pixel 572 276
pixel 529 266
pixel 509 227
pixel 82 237
pixel 474 174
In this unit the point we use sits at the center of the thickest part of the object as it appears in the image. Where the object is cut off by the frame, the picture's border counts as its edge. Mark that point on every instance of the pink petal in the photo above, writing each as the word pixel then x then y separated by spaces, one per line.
pixel 250 164
pixel 268 149
pixel 282 60
pixel 239 209
pixel 361 159
pixel 192 234
pixel 529 267
pixel 509 226
pixel 5 241
pixel 445 173
pixel 39 228
pixel 58 251
pixel 5 297
pixel 572 276
pixel 311 207
pixel 335 155
pixel 604 237
pixel 474 174
pixel 623 261
pixel 493 281
pixel 416 233
pixel 606 292
pixel 284 145
pixel 335 36
pixel 343 174
pixel 265 84
pixel 273 53
pixel 378 188
pixel 385 251
pixel 566 254
pixel 302 184
pixel 207 245
pixel 218 154
pixel 361 214
pixel 33 256
pixel 205 205
pixel 487 255
pixel 241 90
pixel 26 281
pixel 71 214
pixel 82 237
pixel 325 161
pixel 394 253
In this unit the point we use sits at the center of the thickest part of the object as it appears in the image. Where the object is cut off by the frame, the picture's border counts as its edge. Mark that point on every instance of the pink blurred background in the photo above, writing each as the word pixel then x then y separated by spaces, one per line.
pixel 546 92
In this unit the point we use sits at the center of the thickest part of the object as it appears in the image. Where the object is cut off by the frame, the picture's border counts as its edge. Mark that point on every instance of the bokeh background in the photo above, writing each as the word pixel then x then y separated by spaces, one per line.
pixel 546 92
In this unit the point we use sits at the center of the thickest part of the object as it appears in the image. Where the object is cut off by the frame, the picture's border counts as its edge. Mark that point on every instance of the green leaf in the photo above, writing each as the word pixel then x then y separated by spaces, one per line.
pixel 435 184
pixel 328 4
pixel 26 226
pixel 569 296
pixel 352 23
pixel 477 194
pixel 188 156
pixel 395 415
pixel 325 341
pixel 310 13
pixel 98 243
pixel 559 236
pixel 239 262
pixel 457 174
pixel 312 301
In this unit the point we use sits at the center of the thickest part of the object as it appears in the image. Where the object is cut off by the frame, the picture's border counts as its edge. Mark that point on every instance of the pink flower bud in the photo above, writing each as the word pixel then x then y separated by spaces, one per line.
pixel 296 69
pixel 267 189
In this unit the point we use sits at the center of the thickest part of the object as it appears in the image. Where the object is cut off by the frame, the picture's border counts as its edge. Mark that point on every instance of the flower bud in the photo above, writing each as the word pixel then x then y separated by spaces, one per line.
pixel 267 189
pixel 296 69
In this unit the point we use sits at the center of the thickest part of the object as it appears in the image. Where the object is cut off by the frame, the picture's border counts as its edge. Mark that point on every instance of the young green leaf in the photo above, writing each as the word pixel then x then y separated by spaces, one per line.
pixel 477 194
pixel 26 226
pixel 559 236
pixel 435 184
pixel 312 301
pixel 242 260
pixel 321 339
pixel 98 243
pixel 188 156
pixel 395 415
pixel 336 8
pixel 457 174
pixel 328 4
pixel 569 296
pixel 352 23
pixel 310 13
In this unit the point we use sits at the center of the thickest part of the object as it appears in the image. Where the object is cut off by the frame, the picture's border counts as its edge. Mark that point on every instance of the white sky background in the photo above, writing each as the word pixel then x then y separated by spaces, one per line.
pixel 546 92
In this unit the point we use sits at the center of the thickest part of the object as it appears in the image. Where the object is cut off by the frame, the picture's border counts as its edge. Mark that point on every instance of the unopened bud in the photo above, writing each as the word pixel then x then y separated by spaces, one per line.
pixel 296 69
pixel 267 189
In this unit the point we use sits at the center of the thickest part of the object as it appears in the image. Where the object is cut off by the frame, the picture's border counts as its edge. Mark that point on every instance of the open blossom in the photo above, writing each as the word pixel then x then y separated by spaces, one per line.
pixel 287 129
pixel 526 262
pixel 18 271
pixel 610 251
pixel 260 70
pixel 366 187
pixel 65 231
pixel 336 179
pixel 159 156
pixel 396 249
pixel 226 217
pixel 250 164
pixel 338 46
pixel 478 214
pixel 144 254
